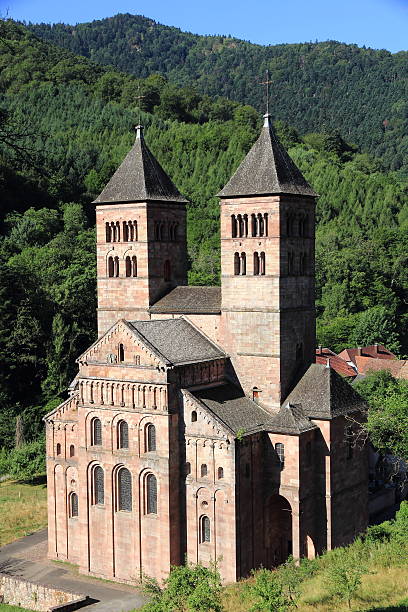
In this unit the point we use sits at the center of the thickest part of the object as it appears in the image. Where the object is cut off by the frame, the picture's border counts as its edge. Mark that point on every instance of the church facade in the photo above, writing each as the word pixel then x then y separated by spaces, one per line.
pixel 199 426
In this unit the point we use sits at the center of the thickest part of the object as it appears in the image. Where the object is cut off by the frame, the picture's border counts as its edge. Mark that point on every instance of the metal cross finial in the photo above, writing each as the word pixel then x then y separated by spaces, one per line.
pixel 139 98
pixel 267 83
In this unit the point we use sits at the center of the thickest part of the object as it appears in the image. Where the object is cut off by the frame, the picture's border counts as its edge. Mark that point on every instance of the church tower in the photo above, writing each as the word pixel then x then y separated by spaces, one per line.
pixel 267 270
pixel 141 238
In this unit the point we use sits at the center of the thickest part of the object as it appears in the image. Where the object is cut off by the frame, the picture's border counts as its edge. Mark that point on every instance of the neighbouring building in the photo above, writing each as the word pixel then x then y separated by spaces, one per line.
pixel 198 425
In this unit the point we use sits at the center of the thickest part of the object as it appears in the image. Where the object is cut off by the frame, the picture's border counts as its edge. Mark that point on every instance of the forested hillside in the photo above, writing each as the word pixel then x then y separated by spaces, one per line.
pixel 65 125
pixel 362 93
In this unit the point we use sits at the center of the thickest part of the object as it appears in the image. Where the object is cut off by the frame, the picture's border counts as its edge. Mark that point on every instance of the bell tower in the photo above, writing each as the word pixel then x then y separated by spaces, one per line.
pixel 267 271
pixel 141 238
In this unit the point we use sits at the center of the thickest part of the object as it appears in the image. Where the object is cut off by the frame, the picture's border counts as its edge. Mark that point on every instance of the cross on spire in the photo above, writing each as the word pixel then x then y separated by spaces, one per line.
pixel 139 98
pixel 266 83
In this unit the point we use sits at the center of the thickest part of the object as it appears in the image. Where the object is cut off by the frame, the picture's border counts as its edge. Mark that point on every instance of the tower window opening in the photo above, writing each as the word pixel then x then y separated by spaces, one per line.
pixel 220 473
pixel 128 266
pixel 237 264
pixel 72 450
pixel 121 351
pixel 111 267
pixel 253 224
pixel 187 468
pixel 134 266
pixel 265 224
pixel 167 271
pixel 108 232
pixel 125 229
pixel 204 470
pixel 256 264
pixel 234 231
pixel 58 448
pixel 280 451
pixel 262 263
pixel 260 225
pixel 116 266
pixel 243 264
pixel 193 416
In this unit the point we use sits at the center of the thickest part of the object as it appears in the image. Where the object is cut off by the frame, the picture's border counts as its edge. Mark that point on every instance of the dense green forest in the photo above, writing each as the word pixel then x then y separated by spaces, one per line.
pixel 363 93
pixel 65 125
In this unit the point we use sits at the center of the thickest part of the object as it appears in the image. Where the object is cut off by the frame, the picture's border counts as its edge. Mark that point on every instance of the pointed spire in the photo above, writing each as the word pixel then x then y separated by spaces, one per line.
pixel 267 170
pixel 140 177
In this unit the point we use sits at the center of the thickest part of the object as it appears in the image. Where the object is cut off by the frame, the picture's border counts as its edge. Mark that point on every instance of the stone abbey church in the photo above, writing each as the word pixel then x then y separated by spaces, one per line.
pixel 199 426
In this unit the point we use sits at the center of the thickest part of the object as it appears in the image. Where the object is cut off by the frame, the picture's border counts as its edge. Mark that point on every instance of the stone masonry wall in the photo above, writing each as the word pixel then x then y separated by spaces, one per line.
pixel 19 592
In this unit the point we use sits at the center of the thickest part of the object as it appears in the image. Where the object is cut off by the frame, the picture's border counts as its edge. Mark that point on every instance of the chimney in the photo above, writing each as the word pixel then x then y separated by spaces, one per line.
pixel 320 349
pixel 328 362
pixel 359 351
pixel 376 347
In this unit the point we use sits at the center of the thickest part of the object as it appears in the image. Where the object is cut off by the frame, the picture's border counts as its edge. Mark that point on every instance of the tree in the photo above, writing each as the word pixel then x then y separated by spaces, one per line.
pixel 188 588
pixel 267 593
pixel 344 573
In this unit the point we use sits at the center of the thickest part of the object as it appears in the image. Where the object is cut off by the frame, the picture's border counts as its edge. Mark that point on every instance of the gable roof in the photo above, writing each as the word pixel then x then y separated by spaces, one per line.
pixel 189 300
pixel 267 169
pixel 378 351
pixel 397 367
pixel 324 394
pixel 230 404
pixel 139 178
pixel 337 363
pixel 177 341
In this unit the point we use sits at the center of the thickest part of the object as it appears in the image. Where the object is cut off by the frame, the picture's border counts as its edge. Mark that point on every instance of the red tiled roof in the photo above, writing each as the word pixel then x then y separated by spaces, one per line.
pixel 378 351
pixel 397 367
pixel 337 363
pixel 325 352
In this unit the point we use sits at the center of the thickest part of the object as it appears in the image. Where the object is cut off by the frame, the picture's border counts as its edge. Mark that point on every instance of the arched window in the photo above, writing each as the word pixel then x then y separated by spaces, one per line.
pixel 128 266
pixel 233 226
pixel 245 225
pixel 205 529
pixel 72 451
pixel 253 224
pixel 117 231
pixel 124 490
pixel 123 434
pixel 167 271
pixel 193 416
pixel 111 267
pixel 280 451
pixel 260 225
pixel 116 266
pixel 204 470
pixel 265 224
pixel 73 505
pixel 58 448
pixel 262 263
pixel 150 438
pixel 125 229
pixel 121 351
pixel 96 432
pixel 220 473
pixel 134 266
pixel 291 263
pixel 243 264
pixel 98 485
pixel 151 494
pixel 256 264
pixel 237 264
pixel 187 468
pixel 113 231
pixel 108 232
pixel 240 226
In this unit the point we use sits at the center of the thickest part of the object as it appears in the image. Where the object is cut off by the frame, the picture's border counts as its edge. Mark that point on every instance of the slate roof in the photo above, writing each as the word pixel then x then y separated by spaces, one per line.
pixel 176 341
pixel 232 407
pixel 241 414
pixel 140 177
pixel 324 394
pixel 190 300
pixel 267 169
pixel 290 419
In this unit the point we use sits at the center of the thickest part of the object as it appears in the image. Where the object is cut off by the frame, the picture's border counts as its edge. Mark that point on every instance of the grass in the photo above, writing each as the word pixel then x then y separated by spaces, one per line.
pixel 23 509
pixel 7 608
pixel 382 590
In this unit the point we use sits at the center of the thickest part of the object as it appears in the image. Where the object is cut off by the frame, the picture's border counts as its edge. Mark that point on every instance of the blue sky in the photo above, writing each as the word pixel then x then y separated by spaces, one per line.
pixel 382 24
